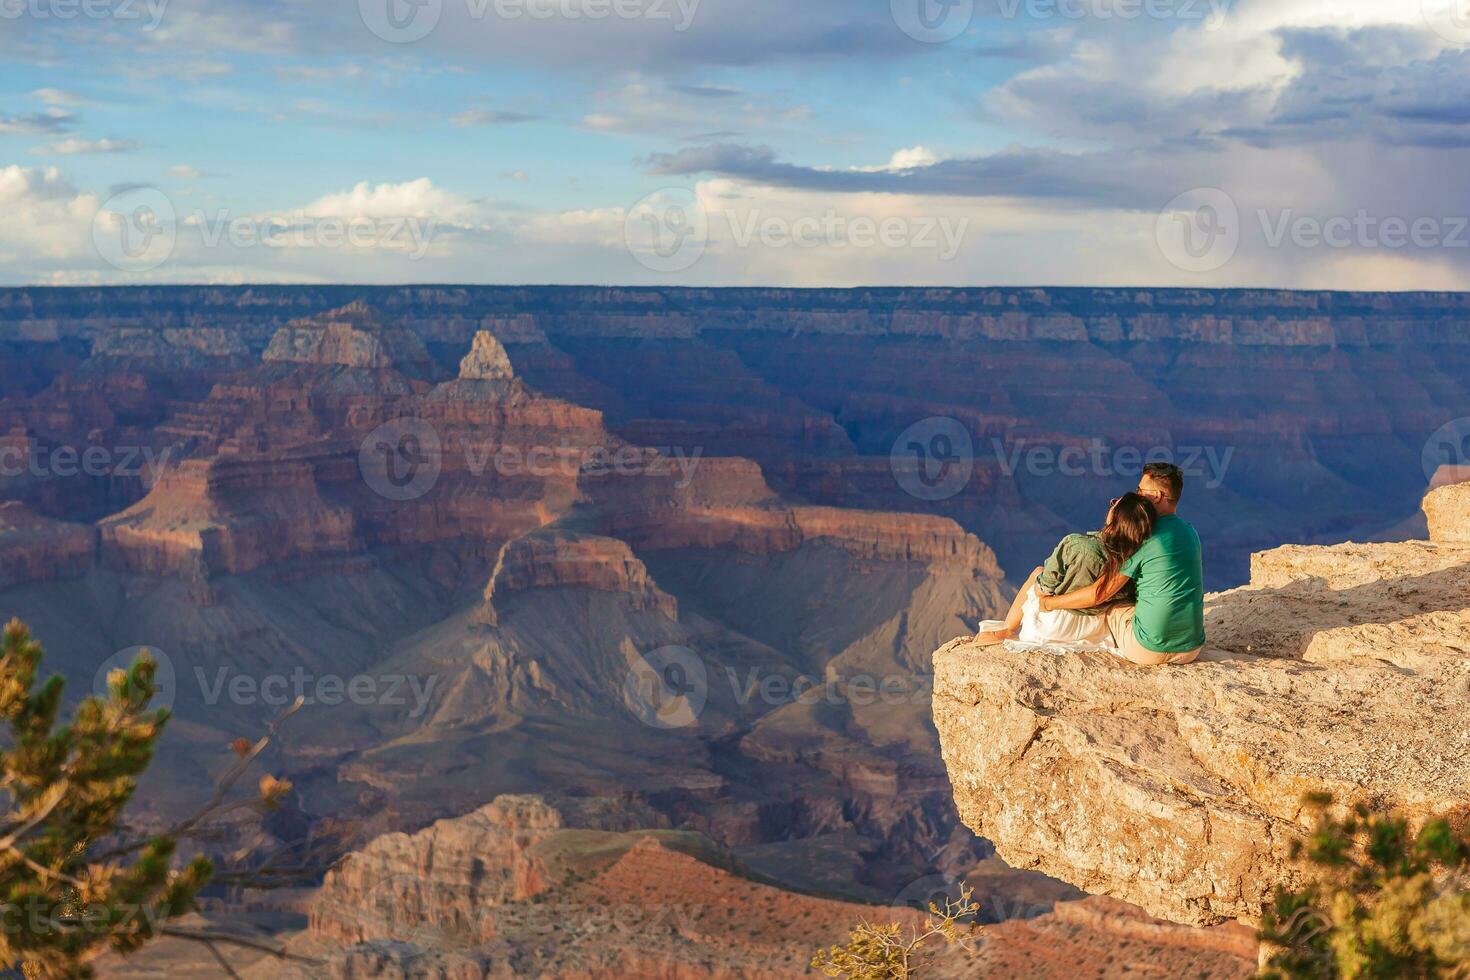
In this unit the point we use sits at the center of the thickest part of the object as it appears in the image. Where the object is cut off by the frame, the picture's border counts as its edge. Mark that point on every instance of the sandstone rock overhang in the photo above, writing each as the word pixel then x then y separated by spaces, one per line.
pixel 1344 669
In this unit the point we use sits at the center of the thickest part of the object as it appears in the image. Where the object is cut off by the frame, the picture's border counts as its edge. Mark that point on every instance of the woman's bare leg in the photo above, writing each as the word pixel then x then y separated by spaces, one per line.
pixel 1012 628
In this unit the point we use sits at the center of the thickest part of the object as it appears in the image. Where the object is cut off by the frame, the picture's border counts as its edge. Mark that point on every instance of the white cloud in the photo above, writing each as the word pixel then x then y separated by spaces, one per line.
pixel 183 69
pixel 319 73
pixel 46 222
pixel 184 171
pixel 414 198
pixel 79 147
pixel 907 159
pixel 57 96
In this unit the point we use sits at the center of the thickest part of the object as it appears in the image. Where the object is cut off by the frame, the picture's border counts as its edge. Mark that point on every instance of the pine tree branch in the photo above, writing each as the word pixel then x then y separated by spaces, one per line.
pixel 216 805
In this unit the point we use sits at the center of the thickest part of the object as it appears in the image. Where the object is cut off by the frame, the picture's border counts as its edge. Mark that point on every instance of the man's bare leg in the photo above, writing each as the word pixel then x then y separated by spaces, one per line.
pixel 1012 628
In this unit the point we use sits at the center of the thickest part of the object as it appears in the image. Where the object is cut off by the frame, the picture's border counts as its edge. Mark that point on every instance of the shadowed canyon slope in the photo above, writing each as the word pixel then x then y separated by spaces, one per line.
pixel 1344 669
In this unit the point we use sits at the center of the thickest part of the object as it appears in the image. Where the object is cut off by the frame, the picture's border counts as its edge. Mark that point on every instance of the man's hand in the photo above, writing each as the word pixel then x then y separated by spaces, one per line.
pixel 1044 602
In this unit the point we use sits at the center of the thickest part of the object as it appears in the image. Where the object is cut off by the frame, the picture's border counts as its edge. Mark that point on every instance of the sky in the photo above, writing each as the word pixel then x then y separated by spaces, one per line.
pixel 1270 143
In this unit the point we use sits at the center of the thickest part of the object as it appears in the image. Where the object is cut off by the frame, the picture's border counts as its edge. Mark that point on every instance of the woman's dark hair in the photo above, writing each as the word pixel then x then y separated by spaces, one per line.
pixel 1130 522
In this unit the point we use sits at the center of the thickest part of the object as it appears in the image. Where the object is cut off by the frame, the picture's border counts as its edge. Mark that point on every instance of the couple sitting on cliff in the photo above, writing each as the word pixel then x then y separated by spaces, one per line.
pixel 1136 585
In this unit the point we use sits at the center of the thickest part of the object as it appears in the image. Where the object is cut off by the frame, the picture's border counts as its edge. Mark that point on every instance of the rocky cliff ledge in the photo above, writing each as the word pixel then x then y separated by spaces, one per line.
pixel 1179 789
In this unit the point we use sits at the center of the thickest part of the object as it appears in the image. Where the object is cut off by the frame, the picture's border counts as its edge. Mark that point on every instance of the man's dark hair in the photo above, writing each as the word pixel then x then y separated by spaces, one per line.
pixel 1169 475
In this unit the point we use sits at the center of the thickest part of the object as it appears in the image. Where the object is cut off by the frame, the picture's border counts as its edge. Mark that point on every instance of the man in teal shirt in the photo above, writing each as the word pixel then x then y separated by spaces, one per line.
pixel 1167 626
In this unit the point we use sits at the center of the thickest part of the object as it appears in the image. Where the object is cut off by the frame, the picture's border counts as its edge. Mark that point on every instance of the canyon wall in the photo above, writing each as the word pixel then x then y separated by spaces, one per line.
pixel 1300 416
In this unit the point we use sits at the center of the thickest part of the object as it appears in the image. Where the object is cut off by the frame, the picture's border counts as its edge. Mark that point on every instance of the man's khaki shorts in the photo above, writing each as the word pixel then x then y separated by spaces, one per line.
pixel 1120 622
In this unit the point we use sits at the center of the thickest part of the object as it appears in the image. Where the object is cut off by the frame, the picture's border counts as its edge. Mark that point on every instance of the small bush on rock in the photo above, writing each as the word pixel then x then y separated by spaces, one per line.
pixel 1381 902
pixel 891 952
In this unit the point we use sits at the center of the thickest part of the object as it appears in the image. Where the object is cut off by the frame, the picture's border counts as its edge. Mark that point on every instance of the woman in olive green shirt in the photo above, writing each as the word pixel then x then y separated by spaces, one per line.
pixel 1166 624
pixel 1079 561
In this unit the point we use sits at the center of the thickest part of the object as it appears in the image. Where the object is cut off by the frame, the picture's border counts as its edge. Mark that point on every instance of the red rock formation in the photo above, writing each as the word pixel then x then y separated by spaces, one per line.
pixel 561 560
pixel 227 516
pixel 521 882
pixel 36 549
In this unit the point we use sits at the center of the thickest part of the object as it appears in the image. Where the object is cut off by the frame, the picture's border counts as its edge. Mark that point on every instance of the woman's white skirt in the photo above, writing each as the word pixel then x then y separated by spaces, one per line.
pixel 1057 630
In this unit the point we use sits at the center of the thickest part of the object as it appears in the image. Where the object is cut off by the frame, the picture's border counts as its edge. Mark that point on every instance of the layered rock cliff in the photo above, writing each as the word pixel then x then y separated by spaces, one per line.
pixel 36 549
pixel 1302 416
pixel 1344 669
pixel 499 565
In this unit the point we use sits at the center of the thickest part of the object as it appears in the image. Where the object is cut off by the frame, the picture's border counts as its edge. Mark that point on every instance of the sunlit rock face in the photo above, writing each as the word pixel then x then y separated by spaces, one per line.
pixel 1344 669
pixel 1448 511
pixel 487 360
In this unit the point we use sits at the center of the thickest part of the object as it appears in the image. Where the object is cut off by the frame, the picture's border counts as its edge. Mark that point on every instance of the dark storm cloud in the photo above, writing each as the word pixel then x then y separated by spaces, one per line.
pixel 1019 173
pixel 1383 83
